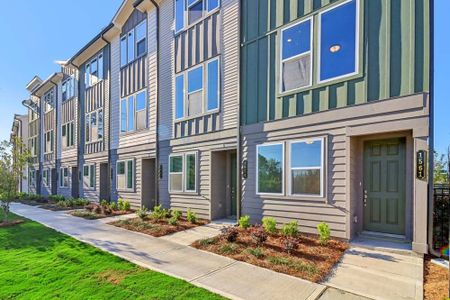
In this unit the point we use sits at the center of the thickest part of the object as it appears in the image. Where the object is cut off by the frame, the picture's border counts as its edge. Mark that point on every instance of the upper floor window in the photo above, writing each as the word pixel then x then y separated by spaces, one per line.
pixel 201 95
pixel 48 141
pixel 296 58
pixel 188 12
pixel 338 41
pixel 133 112
pixel 49 101
pixel 133 44
pixel 94 71
pixel 68 88
pixel 67 134
pixel 94 126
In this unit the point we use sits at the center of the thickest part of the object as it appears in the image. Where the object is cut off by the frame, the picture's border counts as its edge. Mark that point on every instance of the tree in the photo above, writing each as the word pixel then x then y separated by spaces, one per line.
pixel 440 170
pixel 14 157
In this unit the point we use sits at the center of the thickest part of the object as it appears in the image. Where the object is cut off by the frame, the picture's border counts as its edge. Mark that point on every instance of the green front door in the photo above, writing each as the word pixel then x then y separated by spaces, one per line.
pixel 384 186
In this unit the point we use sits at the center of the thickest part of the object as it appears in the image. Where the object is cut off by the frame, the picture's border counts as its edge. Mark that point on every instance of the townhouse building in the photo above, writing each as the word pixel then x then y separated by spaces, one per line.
pixel 298 110
pixel 19 131
pixel 335 113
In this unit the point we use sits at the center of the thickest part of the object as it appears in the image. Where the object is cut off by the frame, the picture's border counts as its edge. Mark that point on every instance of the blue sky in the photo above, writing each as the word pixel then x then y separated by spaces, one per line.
pixel 36 33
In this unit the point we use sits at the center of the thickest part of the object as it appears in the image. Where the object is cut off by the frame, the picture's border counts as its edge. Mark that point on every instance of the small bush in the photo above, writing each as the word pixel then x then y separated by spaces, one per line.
pixel 230 233
pixel 269 224
pixel 104 202
pixel 159 213
pixel 229 248
pixel 22 196
pixel 80 201
pixel 256 252
pixel 290 244
pixel 176 214
pixel 142 213
pixel 258 235
pixel 56 198
pixel 290 229
pixel 208 241
pixel 173 221
pixel 324 233
pixel 244 222
pixel 113 206
pixel 191 216
pixel 123 205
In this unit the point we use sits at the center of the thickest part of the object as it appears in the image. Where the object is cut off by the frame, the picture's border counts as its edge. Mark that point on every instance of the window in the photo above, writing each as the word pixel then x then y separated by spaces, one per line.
pixel 194 10
pixel 100 125
pixel 32 178
pixel 67 133
pixel 133 112
pixel 125 175
pixel 64 177
pixel 49 101
pixel 133 44
pixel 195 92
pixel 176 173
pixel 89 176
pixel 94 126
pixel 179 97
pixel 183 172
pixel 196 99
pixel 46 177
pixel 94 71
pixel 48 141
pixel 270 169
pixel 88 128
pixel 338 41
pixel 306 167
pixel 68 89
pixel 296 58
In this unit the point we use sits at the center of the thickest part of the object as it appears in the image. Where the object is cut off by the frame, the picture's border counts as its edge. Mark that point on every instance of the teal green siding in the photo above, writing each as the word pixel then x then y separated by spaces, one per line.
pixel 394 57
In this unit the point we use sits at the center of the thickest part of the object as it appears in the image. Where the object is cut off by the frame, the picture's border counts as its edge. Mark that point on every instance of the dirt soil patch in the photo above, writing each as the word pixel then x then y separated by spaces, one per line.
pixel 89 215
pixel 310 261
pixel 114 276
pixel 11 223
pixel 435 281
pixel 156 228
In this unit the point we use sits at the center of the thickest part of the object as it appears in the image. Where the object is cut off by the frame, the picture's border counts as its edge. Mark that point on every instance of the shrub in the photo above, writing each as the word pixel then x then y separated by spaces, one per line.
pixel 159 213
pixel 244 222
pixel 56 198
pixel 142 213
pixel 104 202
pixel 123 205
pixel 191 216
pixel 256 252
pixel 229 248
pixel 324 233
pixel 80 202
pixel 230 233
pixel 208 241
pixel 258 235
pixel 173 221
pixel 176 214
pixel 113 206
pixel 290 229
pixel 269 224
pixel 290 244
pixel 22 196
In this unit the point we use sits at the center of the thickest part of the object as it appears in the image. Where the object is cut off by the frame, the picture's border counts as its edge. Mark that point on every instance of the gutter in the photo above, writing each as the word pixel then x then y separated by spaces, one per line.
pixel 431 138
pixel 55 132
pixel 239 152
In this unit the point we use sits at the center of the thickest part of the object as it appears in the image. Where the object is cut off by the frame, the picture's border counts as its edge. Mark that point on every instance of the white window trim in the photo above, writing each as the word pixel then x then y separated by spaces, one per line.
pixel 184 16
pixel 135 42
pixel 64 138
pixel 61 174
pixel 195 153
pixel 176 173
pixel 310 52
pixel 321 168
pixel 87 70
pixel 49 150
pixel 64 83
pixel 88 117
pixel 357 38
pixel 135 113
pixel 282 165
pixel 214 9
pixel 204 90
pixel 125 161
pixel 206 13
pixel 88 186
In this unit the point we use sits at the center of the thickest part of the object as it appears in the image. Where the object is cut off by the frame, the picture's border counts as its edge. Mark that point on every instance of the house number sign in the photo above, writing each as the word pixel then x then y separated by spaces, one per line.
pixel 421 162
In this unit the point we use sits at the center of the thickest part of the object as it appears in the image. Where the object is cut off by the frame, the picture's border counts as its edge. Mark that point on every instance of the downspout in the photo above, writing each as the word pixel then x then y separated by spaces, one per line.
pixel 109 117
pixel 55 136
pixel 431 138
pixel 157 105
pixel 238 131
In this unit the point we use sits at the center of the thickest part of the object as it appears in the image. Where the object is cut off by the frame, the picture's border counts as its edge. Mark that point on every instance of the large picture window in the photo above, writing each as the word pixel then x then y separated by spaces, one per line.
pixel 200 96
pixel 296 57
pixel 270 169
pixel 133 112
pixel 125 175
pixel 306 167
pixel 133 44
pixel 183 172
pixel 338 41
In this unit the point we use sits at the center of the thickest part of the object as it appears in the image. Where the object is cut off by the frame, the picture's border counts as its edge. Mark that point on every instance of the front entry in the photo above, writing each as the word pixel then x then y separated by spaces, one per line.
pixel 384 186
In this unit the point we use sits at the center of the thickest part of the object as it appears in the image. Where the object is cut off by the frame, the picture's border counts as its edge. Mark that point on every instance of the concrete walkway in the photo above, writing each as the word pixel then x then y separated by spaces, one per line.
pixel 230 278
pixel 379 274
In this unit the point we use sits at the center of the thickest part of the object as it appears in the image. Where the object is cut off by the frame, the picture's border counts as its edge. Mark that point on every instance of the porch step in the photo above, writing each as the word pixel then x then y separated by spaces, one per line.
pixel 390 244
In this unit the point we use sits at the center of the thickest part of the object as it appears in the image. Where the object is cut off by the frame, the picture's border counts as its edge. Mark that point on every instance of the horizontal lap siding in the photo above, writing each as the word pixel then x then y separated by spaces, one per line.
pixel 69 113
pixel 394 53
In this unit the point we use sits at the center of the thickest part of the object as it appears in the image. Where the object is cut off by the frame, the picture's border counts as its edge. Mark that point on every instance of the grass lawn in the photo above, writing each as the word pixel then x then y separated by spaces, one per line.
pixel 37 262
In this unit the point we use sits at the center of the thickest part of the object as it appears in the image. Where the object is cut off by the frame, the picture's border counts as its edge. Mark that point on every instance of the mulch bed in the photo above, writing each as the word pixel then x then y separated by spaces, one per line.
pixel 310 261
pixel 435 281
pixel 88 215
pixel 32 202
pixel 55 207
pixel 11 223
pixel 156 228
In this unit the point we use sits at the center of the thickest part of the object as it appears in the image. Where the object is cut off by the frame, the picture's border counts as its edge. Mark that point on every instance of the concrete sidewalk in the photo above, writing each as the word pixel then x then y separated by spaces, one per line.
pixel 230 278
